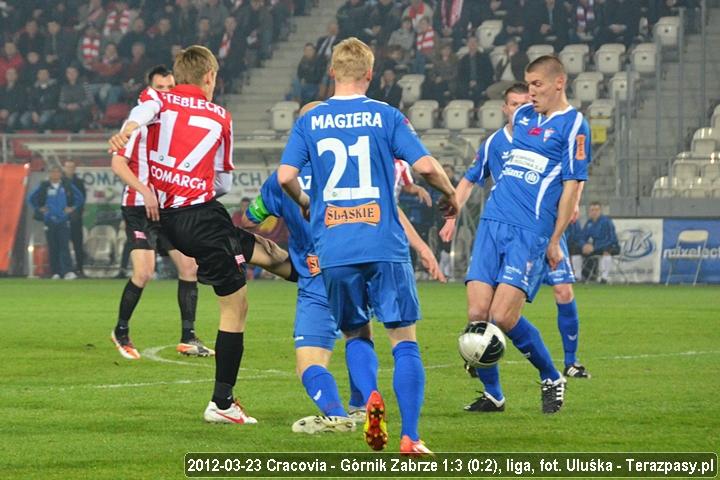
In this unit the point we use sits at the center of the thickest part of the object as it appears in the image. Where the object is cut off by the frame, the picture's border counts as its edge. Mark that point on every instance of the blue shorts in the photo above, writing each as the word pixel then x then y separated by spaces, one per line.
pixel 385 289
pixel 564 272
pixel 504 253
pixel 314 324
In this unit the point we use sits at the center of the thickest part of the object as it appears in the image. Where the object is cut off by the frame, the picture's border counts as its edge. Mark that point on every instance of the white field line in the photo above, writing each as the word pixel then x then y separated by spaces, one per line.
pixel 265 374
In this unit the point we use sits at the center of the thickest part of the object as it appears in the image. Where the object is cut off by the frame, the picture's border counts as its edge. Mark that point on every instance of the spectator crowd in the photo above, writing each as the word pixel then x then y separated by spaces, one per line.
pixel 437 38
pixel 78 64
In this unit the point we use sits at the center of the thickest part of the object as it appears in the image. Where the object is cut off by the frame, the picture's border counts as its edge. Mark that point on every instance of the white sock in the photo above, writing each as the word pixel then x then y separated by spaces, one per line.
pixel 605 266
pixel 446 263
pixel 577 264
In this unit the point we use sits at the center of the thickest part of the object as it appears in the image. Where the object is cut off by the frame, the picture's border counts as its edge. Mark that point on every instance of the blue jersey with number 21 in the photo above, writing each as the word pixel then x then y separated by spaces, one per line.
pixel 351 143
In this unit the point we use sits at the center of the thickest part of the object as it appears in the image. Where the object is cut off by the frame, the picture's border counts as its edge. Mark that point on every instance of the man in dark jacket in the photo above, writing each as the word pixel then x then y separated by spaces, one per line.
pixel 620 24
pixel 76 217
pixel 508 71
pixel 13 101
pixel 475 73
pixel 600 243
pixel 54 200
pixel 44 98
pixel 230 48
pixel 58 48
pixel 388 90
pixel 74 103
pixel 552 25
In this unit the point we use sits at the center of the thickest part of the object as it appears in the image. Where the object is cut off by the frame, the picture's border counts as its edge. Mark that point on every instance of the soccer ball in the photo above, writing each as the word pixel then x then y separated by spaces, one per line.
pixel 481 344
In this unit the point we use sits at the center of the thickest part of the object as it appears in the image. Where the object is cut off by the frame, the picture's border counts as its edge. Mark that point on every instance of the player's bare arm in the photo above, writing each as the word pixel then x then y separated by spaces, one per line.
pixel 419 192
pixel 433 173
pixel 121 169
pixel 140 116
pixel 423 250
pixel 462 194
pixel 576 212
pixel 566 207
pixel 287 176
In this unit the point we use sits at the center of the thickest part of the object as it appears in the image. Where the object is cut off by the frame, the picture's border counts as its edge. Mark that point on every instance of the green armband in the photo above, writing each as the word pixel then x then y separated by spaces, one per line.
pixel 257 211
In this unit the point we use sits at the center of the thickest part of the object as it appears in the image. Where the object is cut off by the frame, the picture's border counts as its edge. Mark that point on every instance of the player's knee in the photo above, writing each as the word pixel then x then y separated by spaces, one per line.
pixel 477 313
pixel 188 271
pixel 364 332
pixel 563 294
pixel 503 317
pixel 141 277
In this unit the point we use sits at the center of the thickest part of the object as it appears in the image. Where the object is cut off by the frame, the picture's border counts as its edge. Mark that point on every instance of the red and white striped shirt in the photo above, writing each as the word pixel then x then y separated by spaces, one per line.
pixel 136 153
pixel 403 176
pixel 194 140
pixel 90 49
pixel 117 22
pixel 425 42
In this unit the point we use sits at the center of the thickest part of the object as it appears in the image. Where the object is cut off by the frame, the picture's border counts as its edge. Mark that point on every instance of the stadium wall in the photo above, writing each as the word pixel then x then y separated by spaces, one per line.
pixel 648 246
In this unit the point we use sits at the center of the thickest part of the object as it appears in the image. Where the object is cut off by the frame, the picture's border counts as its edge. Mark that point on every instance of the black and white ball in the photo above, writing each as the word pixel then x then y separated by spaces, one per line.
pixel 482 344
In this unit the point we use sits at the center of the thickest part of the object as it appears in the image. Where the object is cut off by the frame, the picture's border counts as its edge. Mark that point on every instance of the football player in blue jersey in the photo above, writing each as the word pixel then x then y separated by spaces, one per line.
pixel 350 142
pixel 532 203
pixel 491 157
pixel 315 330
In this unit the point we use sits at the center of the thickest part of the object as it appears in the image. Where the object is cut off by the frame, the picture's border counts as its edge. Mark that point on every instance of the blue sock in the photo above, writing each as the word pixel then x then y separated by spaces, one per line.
pixel 409 385
pixel 321 388
pixel 356 396
pixel 527 339
pixel 362 365
pixel 568 324
pixel 490 378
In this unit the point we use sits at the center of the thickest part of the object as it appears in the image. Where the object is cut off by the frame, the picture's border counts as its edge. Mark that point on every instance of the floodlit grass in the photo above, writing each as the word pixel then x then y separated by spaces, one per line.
pixel 73 408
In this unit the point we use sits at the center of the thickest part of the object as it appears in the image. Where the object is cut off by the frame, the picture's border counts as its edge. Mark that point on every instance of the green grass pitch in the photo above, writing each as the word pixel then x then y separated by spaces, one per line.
pixel 71 407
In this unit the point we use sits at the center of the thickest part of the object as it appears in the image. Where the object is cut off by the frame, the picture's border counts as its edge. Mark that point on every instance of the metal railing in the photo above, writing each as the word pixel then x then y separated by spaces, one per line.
pixel 637 168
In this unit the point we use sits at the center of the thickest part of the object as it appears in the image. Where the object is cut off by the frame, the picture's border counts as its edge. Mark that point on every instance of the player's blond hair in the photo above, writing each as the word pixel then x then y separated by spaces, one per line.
pixel 192 63
pixel 351 60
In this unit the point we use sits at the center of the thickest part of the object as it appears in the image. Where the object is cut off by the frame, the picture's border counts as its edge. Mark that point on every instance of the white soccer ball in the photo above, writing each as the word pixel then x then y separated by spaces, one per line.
pixel 481 344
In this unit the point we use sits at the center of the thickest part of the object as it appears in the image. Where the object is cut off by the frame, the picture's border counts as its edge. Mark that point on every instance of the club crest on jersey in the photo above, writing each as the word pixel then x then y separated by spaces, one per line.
pixel 313 264
pixel 547 134
pixel 535 131
pixel 409 125
pixel 368 213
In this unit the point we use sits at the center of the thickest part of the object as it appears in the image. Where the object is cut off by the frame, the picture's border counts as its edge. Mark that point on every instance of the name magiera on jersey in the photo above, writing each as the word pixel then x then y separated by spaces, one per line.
pixel 347 120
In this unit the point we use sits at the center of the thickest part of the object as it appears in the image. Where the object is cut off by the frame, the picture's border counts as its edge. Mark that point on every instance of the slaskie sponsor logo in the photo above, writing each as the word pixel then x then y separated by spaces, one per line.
pixel 368 213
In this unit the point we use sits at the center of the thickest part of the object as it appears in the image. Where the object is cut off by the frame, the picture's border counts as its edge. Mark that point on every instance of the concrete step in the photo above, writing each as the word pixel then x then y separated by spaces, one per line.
pixel 269 98
pixel 269 80
pixel 246 126
pixel 255 111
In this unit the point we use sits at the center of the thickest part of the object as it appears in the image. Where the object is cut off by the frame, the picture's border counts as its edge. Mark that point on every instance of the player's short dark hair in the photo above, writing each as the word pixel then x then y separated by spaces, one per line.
pixel 518 87
pixel 595 203
pixel 161 70
pixel 549 62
